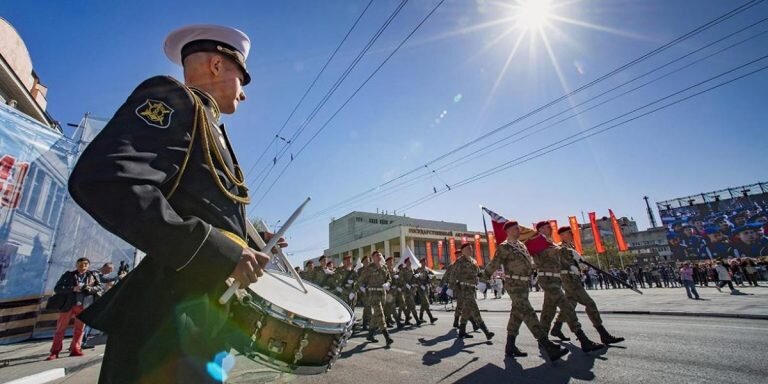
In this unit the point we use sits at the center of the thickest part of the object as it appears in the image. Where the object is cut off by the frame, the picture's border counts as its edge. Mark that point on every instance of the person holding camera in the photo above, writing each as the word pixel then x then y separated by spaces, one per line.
pixel 74 291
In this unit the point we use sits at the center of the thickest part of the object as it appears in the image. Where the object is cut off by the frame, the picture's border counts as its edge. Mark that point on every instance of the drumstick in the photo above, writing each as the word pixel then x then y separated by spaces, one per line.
pixel 282 257
pixel 267 248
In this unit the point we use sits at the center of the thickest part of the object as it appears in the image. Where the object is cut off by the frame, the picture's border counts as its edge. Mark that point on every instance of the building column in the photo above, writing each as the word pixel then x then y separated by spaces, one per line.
pixel 402 241
pixel 387 248
pixel 360 254
pixel 412 246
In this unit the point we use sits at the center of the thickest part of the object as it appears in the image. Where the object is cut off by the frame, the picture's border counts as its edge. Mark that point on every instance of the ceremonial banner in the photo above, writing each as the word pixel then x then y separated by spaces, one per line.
pixel 596 233
pixel 429 255
pixel 440 246
pixel 478 251
pixel 617 233
pixel 452 249
pixel 491 245
pixel 576 230
pixel 555 236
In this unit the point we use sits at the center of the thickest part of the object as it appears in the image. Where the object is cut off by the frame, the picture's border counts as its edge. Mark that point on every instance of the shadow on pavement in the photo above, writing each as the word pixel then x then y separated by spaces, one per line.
pixel 452 334
pixel 435 357
pixel 576 365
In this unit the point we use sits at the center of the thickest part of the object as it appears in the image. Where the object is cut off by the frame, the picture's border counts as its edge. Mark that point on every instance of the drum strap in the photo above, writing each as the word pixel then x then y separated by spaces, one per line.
pixel 237 239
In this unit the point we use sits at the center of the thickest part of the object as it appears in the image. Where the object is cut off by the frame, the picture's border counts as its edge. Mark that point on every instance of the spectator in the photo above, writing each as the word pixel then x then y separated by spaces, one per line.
pixel 80 286
pixel 724 278
pixel 123 270
pixel 750 270
pixel 106 283
pixel 686 275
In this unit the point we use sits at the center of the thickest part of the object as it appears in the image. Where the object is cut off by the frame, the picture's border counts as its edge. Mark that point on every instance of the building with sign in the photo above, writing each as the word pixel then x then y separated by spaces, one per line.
pixel 359 233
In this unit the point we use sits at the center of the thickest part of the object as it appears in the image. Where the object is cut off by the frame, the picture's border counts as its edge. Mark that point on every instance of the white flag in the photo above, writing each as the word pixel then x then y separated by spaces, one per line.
pixel 415 264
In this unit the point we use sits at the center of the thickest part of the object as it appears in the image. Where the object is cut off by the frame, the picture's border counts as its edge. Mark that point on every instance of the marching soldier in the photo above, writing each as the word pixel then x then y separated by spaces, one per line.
pixel 424 283
pixel 376 281
pixel 518 267
pixel 409 291
pixel 363 294
pixel 575 292
pixel 390 310
pixel 453 285
pixel 319 276
pixel 465 274
pixel 549 279
pixel 345 282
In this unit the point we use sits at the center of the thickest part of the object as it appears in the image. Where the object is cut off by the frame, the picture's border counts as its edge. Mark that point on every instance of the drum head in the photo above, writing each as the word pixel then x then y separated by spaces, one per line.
pixel 284 291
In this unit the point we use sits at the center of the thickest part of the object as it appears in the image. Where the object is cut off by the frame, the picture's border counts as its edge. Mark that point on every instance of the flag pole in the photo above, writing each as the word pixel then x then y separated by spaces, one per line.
pixel 485 227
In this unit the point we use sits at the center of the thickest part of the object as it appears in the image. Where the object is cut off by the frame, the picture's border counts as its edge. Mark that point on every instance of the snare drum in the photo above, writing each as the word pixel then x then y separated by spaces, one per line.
pixel 287 329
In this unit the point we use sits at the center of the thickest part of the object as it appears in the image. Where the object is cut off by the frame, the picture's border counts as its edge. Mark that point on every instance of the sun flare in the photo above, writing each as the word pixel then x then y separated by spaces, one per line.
pixel 532 14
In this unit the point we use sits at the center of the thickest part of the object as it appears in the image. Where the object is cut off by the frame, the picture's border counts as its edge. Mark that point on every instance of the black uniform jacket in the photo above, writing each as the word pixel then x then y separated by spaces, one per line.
pixel 123 180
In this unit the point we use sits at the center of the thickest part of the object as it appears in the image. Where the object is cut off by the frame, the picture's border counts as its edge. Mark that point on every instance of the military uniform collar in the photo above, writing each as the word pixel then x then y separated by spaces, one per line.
pixel 208 101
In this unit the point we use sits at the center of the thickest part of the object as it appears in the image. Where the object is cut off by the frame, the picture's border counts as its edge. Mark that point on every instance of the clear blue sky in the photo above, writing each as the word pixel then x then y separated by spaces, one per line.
pixel 91 54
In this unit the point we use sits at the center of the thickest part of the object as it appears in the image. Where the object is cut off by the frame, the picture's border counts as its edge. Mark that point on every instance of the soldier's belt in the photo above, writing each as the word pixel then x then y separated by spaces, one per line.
pixel 376 289
pixel 468 285
pixel 550 274
pixel 566 272
pixel 516 277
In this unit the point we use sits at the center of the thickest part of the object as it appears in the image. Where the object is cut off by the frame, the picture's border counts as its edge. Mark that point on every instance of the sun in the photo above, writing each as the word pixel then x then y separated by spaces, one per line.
pixel 532 14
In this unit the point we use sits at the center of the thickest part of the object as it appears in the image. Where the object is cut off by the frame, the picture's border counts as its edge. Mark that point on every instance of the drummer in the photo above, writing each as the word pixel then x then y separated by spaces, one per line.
pixel 151 179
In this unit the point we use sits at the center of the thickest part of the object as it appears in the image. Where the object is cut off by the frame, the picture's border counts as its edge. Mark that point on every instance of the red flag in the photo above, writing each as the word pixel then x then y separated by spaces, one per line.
pixel 555 236
pixel 429 254
pixel 617 232
pixel 478 251
pixel 497 222
pixel 596 233
pixel 452 249
pixel 576 230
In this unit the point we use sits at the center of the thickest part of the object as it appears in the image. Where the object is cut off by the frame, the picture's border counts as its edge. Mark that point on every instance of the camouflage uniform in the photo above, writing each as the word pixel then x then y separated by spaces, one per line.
pixel 451 281
pixel 549 265
pixel 373 277
pixel 344 285
pixel 514 257
pixel 574 291
pixel 409 290
pixel 465 273
pixel 397 292
pixel 423 285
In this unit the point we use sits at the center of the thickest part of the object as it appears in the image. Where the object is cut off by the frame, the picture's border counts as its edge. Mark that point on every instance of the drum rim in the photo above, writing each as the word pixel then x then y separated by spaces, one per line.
pixel 252 299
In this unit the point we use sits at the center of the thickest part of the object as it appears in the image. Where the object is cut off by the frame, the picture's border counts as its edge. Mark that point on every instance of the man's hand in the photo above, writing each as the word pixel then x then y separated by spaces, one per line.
pixel 268 235
pixel 250 267
pixel 76 288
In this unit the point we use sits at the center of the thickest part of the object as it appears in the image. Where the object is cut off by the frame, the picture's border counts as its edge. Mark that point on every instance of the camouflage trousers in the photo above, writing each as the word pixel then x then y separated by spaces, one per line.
pixel 469 309
pixel 424 302
pixel 366 307
pixel 389 305
pixel 554 298
pixel 522 311
pixel 575 293
pixel 410 303
pixel 376 302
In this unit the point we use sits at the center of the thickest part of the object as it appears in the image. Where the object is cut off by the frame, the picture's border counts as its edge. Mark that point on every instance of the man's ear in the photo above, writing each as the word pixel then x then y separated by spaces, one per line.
pixel 216 64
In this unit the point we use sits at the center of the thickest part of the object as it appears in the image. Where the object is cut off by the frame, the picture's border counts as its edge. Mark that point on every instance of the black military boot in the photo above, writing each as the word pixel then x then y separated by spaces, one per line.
pixel 552 350
pixel 463 332
pixel 510 350
pixel 474 325
pixel 431 319
pixel 400 324
pixel 557 331
pixel 587 345
pixel 387 338
pixel 488 334
pixel 370 337
pixel 455 321
pixel 606 338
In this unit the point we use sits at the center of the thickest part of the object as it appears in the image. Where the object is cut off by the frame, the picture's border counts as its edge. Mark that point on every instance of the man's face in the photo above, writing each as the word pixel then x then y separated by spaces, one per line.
pixel 545 230
pixel 739 221
pixel 310 267
pixel 226 86
pixel 347 262
pixel 687 231
pixel 567 236
pixel 513 232
pixel 376 258
pixel 467 251
pixel 366 262
pixel 82 266
pixel 390 262
pixel 715 237
pixel 107 269
pixel 677 227
pixel 699 225
pixel 748 237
